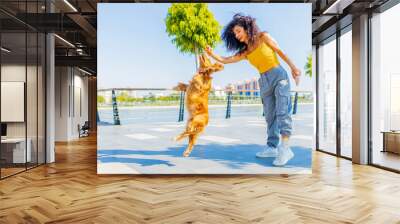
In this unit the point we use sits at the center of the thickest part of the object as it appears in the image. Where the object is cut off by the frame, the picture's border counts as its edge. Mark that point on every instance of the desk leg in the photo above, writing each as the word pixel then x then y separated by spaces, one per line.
pixel 384 143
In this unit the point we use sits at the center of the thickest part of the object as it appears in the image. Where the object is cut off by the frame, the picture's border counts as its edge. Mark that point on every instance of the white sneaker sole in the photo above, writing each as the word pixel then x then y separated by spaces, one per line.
pixel 266 155
pixel 287 158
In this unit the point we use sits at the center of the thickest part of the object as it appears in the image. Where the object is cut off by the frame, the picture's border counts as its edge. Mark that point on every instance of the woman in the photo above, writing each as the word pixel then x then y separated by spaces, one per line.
pixel 243 37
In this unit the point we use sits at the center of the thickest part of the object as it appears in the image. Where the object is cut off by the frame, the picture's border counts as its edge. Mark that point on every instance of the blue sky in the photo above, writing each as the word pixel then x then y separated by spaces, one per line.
pixel 135 51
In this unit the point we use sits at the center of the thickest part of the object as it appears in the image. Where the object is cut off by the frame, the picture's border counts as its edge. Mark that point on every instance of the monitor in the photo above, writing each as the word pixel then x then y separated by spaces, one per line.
pixel 3 129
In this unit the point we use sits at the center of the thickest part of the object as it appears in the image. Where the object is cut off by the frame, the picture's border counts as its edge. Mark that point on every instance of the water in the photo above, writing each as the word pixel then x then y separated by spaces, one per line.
pixel 135 115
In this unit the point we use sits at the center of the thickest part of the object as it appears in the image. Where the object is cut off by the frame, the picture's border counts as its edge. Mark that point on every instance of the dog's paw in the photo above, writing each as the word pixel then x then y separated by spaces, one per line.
pixel 186 154
pixel 176 139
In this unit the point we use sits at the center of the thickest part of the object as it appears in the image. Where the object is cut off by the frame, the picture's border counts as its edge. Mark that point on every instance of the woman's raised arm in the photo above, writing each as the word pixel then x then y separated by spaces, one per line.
pixel 224 60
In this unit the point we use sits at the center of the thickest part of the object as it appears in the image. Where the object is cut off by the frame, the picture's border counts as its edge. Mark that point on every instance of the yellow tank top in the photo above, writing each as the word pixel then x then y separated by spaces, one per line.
pixel 263 58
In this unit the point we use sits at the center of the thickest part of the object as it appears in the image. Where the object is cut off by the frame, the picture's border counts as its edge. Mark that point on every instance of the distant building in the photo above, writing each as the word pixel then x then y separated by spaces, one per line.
pixel 246 87
pixel 255 87
pixel 219 91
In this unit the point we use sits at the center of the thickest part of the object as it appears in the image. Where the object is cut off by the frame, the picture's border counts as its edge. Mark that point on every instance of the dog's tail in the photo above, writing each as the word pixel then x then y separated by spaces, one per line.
pixel 180 87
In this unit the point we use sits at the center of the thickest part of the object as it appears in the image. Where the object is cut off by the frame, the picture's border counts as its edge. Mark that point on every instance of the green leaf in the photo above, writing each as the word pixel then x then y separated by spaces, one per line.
pixel 308 66
pixel 190 25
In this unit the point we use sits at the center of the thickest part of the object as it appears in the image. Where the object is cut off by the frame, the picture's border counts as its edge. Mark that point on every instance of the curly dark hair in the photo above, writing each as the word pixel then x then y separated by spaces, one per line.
pixel 249 25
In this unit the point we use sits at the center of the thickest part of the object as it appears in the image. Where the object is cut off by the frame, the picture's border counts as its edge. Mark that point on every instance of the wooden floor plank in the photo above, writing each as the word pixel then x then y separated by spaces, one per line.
pixel 70 191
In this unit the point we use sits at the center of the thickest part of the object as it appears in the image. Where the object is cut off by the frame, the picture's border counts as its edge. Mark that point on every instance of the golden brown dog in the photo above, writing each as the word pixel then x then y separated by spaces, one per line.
pixel 197 101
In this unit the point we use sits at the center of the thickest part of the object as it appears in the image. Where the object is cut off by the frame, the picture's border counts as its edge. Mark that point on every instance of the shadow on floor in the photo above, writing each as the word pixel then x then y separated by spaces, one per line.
pixel 233 156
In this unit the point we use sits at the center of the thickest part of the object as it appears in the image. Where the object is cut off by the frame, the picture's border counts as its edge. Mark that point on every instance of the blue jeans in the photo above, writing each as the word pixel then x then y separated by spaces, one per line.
pixel 275 96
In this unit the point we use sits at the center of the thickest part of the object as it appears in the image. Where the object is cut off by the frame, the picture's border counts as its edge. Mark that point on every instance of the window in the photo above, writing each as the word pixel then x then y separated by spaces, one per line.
pixel 327 96
pixel 385 85
pixel 22 79
pixel 346 93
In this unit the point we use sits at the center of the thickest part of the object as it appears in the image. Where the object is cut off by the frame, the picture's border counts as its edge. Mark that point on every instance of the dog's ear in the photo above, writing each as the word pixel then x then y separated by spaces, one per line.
pixel 207 61
pixel 205 64
pixel 202 61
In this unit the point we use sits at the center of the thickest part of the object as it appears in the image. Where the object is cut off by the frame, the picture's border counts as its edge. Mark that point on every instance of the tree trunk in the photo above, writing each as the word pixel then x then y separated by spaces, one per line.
pixel 196 58
pixel 196 61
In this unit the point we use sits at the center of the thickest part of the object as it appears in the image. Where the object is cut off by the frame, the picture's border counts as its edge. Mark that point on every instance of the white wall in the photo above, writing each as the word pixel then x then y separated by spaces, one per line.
pixel 33 126
pixel 80 109
pixel 62 82
pixel 12 73
pixel 71 102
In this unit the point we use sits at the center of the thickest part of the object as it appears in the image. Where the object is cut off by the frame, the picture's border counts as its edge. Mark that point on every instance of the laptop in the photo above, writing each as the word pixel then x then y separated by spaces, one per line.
pixel 3 131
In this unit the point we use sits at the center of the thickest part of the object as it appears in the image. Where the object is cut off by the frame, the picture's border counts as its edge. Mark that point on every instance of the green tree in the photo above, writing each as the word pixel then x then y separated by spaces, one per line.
pixel 101 99
pixel 122 97
pixel 192 27
pixel 308 66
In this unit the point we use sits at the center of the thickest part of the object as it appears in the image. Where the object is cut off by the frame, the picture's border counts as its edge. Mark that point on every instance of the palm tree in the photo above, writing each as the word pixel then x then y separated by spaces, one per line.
pixel 308 66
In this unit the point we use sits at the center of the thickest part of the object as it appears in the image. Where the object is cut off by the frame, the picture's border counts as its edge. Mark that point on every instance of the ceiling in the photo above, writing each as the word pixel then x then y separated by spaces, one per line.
pixel 75 21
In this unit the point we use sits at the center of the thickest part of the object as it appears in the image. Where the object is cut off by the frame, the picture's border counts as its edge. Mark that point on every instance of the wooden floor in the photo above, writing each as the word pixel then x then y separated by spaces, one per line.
pixel 5 172
pixel 69 191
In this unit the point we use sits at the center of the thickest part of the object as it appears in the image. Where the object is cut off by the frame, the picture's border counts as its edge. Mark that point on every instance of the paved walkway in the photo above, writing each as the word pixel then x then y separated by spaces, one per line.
pixel 228 146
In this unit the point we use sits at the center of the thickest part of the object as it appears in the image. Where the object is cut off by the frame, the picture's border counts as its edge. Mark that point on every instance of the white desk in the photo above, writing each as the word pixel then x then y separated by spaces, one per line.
pixel 19 149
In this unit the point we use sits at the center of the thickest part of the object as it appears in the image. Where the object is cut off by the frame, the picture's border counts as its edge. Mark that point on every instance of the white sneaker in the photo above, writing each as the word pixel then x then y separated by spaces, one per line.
pixel 268 152
pixel 284 155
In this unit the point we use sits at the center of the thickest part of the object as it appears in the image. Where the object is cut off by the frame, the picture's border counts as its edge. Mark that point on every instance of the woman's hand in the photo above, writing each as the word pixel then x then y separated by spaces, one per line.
pixel 224 60
pixel 209 50
pixel 296 73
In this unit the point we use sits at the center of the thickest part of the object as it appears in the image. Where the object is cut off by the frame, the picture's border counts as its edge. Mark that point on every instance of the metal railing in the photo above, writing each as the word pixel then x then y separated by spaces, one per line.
pixel 123 97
